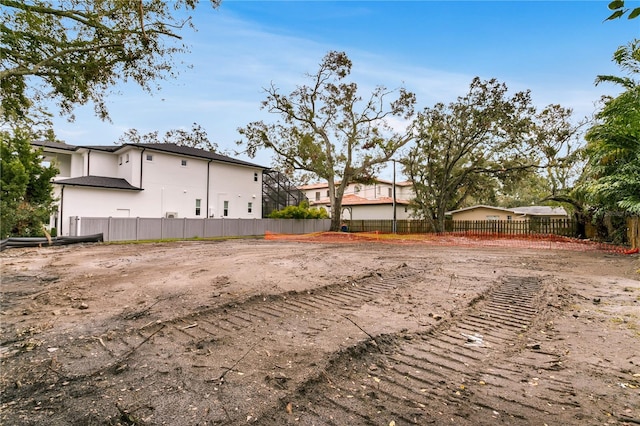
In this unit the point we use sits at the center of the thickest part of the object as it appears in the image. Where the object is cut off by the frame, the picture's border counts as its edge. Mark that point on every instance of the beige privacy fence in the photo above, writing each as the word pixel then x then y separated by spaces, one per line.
pixel 138 228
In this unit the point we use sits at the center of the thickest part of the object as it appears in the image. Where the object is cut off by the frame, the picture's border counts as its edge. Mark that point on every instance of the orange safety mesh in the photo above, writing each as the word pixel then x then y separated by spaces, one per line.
pixel 460 239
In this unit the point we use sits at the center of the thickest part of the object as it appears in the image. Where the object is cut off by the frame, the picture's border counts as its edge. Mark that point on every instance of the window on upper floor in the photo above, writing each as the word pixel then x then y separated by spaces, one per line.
pixel 120 160
pixel 255 177
pixel 126 158
pixel 183 163
pixel 379 190
pixel 250 207
pixel 327 193
pixel 390 192
pixel 317 195
pixel 149 157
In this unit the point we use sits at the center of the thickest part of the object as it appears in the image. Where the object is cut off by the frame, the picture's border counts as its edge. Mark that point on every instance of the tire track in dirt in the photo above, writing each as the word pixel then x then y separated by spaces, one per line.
pixel 198 353
pixel 460 374
pixel 269 312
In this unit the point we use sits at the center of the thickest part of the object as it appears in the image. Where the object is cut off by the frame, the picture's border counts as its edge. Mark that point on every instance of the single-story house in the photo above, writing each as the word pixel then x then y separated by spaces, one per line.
pixel 482 212
pixel 150 180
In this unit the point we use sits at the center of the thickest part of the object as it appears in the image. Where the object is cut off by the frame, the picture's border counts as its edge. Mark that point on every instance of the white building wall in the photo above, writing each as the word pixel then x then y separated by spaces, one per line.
pixel 170 187
pixel 237 185
pixel 98 163
pixel 375 212
pixel 61 161
pixel 77 165
pixel 92 202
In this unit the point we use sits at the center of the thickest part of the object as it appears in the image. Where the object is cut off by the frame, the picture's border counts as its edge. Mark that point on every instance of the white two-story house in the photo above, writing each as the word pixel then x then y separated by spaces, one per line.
pixel 150 180
pixel 372 201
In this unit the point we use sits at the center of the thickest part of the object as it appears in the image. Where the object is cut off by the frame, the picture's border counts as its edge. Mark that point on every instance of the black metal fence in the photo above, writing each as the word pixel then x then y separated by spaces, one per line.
pixel 563 227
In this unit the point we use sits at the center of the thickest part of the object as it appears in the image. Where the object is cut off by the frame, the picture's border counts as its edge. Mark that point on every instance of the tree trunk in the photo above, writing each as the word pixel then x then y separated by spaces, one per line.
pixel 336 215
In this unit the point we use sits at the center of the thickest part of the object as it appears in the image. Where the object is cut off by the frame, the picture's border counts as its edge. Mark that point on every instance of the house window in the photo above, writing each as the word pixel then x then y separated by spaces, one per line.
pixel 493 217
pixel 390 192
pixel 249 207
pixel 509 217
pixel 327 193
pixel 357 189
pixel 225 211
pixel 149 157
pixel 255 177
pixel 120 160
pixel 317 195
pixel 183 163
pixel 198 203
pixel 379 189
pixel 127 158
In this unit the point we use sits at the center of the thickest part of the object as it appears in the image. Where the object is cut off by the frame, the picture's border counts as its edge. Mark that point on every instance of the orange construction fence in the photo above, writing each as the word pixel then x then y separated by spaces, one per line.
pixel 460 239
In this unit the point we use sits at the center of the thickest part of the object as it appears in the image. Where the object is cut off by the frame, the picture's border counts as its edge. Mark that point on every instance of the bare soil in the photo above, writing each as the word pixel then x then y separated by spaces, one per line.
pixel 272 333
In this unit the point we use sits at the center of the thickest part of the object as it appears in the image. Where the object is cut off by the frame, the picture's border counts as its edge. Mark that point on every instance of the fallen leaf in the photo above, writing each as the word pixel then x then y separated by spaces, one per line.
pixel 289 408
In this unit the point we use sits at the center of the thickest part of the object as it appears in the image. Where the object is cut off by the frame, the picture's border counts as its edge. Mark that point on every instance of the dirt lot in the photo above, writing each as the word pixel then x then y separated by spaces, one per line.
pixel 267 332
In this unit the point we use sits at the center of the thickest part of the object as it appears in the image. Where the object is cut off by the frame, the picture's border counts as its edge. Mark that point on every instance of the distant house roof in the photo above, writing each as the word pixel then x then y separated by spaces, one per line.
pixel 163 147
pixel 526 210
pixel 354 200
pixel 540 211
pixel 98 182
pixel 320 185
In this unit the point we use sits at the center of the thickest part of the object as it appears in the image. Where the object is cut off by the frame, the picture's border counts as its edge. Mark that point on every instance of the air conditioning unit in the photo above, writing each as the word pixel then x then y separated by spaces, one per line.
pixel 171 215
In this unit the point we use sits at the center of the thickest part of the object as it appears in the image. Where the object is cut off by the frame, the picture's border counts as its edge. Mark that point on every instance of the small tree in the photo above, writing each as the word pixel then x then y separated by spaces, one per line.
pixel 26 188
pixel 327 129
pixel 302 211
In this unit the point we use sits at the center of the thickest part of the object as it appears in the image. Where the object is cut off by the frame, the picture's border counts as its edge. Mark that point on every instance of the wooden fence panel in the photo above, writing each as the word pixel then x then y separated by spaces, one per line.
pixel 633 231
pixel 563 227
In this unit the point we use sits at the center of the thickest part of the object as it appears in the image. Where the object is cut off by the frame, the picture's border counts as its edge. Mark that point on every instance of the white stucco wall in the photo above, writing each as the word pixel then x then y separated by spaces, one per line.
pixel 235 184
pixel 98 163
pixel 169 186
pixel 375 212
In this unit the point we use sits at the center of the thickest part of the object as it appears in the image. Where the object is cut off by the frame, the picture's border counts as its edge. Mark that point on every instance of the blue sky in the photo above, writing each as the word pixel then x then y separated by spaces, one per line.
pixel 433 48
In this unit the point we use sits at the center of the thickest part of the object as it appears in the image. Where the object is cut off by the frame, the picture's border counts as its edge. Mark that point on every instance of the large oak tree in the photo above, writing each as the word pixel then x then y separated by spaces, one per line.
pixel 75 51
pixel 464 149
pixel 326 128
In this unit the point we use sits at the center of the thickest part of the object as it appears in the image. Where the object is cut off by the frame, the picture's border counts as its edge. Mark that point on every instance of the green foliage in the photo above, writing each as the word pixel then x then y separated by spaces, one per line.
pixel 74 51
pixel 26 187
pixel 619 10
pixel 614 144
pixel 195 138
pixel 303 211
pixel 330 131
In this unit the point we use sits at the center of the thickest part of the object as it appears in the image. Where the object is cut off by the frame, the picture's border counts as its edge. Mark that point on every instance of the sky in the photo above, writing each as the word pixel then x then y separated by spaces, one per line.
pixel 432 48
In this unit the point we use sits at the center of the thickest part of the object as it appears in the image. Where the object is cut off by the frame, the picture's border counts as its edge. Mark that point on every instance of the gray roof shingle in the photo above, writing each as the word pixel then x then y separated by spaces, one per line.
pixel 99 182
pixel 193 152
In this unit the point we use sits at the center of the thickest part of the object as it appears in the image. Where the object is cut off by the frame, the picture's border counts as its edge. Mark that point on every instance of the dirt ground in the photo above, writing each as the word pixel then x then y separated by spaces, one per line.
pixel 273 333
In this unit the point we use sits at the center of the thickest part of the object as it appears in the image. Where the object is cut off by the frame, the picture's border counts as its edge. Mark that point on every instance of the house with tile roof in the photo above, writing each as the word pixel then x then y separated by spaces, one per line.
pixel 482 212
pixel 371 201
pixel 150 180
